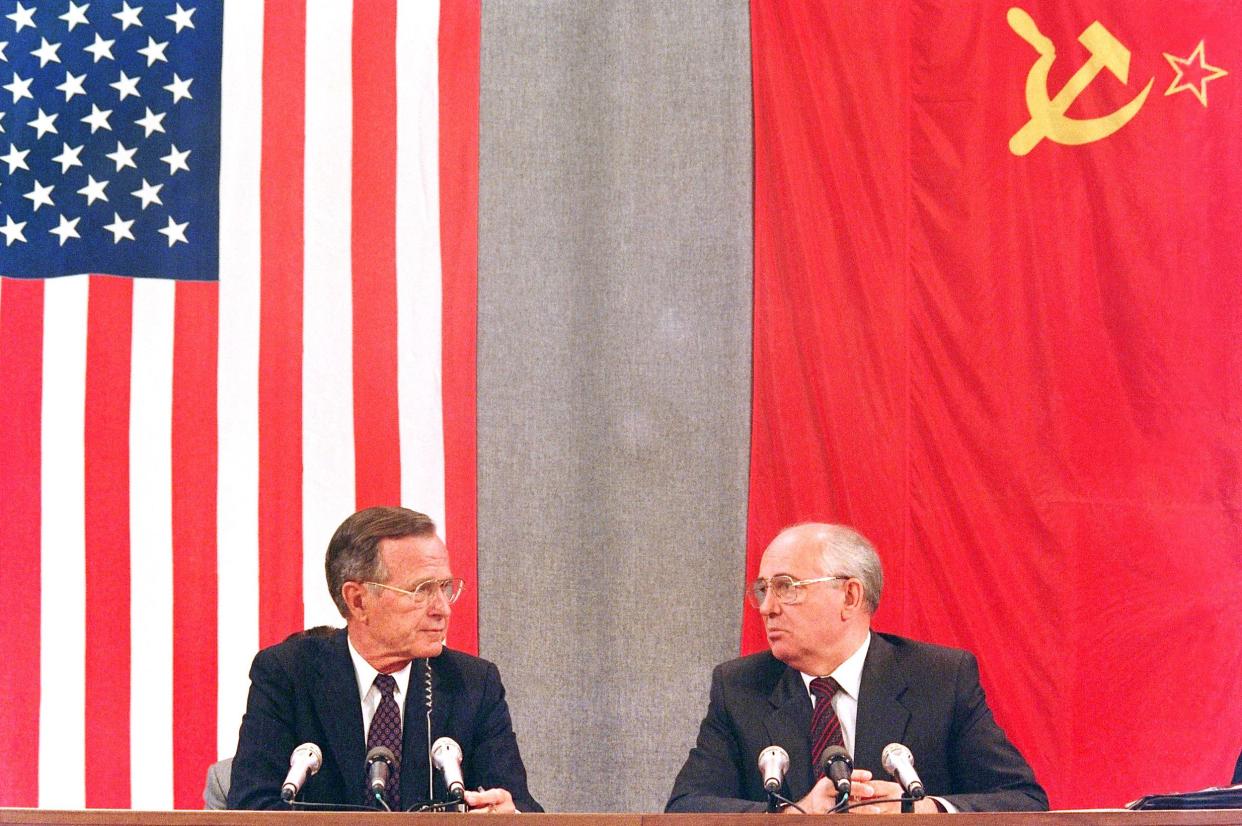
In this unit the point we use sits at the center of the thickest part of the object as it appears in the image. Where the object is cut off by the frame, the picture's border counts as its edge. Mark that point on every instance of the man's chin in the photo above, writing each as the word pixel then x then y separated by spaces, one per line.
pixel 429 649
pixel 781 651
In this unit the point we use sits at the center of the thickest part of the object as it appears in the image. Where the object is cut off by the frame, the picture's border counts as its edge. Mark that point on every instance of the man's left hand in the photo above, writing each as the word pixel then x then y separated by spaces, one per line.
pixel 867 789
pixel 490 801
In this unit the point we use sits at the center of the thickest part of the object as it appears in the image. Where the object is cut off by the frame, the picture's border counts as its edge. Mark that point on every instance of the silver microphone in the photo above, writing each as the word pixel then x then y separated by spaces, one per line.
pixel 380 762
pixel 446 757
pixel 304 762
pixel 773 763
pixel 899 762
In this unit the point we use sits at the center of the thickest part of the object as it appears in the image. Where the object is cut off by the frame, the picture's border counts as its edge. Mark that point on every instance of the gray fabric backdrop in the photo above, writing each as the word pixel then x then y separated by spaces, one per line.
pixel 615 261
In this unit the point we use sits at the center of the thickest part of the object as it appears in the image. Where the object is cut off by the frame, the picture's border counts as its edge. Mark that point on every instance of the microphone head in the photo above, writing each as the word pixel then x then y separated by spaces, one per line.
pixel 313 755
pixel 445 749
pixel 446 757
pixel 834 754
pixel 304 761
pixel 381 753
pixel 894 752
pixel 773 764
pixel 837 765
pixel 774 754
pixel 898 761
pixel 380 762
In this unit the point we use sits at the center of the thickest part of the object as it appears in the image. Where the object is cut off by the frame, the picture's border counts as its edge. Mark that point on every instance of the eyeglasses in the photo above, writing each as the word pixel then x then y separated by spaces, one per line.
pixel 788 590
pixel 450 589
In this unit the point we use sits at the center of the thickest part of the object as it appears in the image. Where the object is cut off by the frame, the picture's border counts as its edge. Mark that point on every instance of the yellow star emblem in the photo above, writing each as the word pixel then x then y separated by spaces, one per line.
pixel 1193 73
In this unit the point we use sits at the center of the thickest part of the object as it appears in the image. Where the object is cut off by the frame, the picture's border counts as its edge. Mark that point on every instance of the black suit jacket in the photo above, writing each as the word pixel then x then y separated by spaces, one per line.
pixel 924 696
pixel 304 690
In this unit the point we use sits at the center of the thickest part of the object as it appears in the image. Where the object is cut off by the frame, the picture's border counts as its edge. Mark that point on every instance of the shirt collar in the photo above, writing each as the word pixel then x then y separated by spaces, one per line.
pixel 365 673
pixel 848 674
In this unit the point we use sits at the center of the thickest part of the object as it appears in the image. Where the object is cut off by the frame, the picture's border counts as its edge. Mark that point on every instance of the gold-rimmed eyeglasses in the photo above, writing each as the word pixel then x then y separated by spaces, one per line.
pixel 450 589
pixel 788 591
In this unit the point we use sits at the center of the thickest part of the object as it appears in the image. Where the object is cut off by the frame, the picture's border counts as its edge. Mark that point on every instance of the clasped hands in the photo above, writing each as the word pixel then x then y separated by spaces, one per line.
pixel 823 797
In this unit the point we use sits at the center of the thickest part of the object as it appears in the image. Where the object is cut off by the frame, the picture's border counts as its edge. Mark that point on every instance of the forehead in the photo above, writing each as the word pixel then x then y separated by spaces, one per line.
pixel 414 557
pixel 794 553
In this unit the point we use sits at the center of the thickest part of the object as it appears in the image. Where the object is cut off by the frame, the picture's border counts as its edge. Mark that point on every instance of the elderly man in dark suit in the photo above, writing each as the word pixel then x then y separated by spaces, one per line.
pixel 828 680
pixel 385 680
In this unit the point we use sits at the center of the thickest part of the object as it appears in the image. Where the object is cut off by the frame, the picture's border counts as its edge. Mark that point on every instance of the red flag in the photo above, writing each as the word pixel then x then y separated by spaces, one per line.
pixel 996 328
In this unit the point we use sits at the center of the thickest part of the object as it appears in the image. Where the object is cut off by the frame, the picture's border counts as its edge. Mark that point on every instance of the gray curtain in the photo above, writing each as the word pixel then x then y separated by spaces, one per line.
pixel 615 261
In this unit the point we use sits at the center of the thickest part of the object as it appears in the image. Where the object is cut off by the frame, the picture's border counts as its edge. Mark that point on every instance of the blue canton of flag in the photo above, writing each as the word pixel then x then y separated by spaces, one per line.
pixel 110 134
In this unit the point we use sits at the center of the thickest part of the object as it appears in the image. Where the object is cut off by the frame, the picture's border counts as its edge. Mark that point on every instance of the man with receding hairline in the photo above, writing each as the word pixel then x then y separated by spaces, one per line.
pixel 817 589
pixel 367 685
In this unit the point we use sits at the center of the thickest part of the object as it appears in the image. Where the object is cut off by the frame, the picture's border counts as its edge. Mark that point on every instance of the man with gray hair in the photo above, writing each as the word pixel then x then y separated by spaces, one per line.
pixel 829 681
pixel 385 681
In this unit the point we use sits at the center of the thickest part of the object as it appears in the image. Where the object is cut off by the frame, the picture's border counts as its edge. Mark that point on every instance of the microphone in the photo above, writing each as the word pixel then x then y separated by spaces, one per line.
pixel 446 757
pixel 304 762
pixel 899 762
pixel 773 763
pixel 835 763
pixel 380 761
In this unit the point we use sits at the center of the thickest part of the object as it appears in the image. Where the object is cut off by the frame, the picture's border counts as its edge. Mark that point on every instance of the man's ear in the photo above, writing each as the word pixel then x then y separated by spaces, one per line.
pixel 355 594
pixel 855 599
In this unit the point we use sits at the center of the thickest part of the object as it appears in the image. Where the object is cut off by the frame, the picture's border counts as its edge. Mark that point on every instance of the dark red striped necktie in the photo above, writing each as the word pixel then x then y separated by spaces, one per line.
pixel 825 727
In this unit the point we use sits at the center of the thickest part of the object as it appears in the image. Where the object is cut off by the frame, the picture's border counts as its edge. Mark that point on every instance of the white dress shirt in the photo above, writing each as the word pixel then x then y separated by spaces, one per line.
pixel 371 695
pixel 845 703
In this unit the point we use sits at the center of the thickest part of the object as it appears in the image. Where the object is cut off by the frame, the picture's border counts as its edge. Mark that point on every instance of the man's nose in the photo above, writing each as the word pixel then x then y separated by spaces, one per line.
pixel 439 605
pixel 771 606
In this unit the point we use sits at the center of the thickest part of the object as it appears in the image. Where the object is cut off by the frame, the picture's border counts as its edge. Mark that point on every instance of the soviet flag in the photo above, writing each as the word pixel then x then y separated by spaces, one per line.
pixel 996 326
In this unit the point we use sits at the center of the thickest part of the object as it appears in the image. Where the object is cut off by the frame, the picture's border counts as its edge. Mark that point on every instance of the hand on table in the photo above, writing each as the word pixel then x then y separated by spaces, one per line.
pixel 823 797
pixel 490 801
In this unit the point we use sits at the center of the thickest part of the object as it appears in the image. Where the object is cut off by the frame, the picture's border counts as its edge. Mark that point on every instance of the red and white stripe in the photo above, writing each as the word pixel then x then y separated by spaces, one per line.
pixel 175 456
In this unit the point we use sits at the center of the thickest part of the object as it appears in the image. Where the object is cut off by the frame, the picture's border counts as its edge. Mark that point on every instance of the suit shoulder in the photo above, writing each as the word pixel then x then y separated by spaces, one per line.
pixel 759 670
pixel 468 666
pixel 908 651
pixel 300 651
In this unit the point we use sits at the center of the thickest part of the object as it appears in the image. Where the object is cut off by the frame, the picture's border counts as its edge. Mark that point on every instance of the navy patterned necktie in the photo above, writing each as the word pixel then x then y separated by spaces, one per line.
pixel 825 727
pixel 386 731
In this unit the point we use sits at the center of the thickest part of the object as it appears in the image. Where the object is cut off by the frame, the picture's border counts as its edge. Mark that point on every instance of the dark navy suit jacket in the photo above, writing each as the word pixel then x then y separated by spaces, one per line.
pixel 304 690
pixel 925 696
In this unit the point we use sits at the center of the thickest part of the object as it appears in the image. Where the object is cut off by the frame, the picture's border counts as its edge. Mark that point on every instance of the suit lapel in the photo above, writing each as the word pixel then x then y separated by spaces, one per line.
pixel 414 738
pixel 340 710
pixel 415 760
pixel 445 685
pixel 882 718
pixel 788 725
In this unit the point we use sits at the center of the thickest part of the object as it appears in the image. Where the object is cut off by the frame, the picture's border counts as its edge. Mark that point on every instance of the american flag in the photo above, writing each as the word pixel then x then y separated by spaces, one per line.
pixel 237 303
pixel 112 122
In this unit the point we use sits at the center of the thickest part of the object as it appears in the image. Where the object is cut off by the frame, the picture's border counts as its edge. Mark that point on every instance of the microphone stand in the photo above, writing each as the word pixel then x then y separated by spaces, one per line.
pixel 774 805
pixel 451 804
pixel 907 804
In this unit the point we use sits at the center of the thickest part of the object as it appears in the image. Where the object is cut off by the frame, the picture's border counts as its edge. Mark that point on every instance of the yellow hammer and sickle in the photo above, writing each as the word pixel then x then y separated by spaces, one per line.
pixel 1048 118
